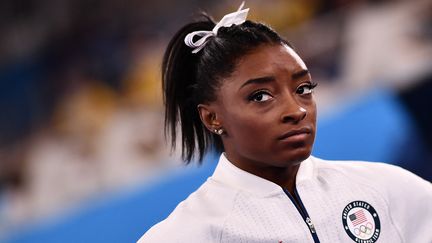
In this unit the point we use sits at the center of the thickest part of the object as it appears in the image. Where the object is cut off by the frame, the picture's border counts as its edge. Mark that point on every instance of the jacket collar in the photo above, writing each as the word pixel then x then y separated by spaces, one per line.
pixel 229 174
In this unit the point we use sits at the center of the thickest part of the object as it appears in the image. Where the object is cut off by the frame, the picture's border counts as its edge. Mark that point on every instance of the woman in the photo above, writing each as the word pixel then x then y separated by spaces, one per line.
pixel 240 88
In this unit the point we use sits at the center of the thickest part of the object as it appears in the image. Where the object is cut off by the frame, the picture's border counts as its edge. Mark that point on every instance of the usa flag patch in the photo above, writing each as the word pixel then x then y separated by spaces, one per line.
pixel 361 222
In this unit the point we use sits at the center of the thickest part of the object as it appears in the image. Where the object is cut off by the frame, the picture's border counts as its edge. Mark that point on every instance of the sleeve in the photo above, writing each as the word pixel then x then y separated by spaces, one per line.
pixel 197 219
pixel 410 204
pixel 178 231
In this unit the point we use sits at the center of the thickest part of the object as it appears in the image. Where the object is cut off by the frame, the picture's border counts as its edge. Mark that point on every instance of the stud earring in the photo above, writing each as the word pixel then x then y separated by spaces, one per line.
pixel 219 131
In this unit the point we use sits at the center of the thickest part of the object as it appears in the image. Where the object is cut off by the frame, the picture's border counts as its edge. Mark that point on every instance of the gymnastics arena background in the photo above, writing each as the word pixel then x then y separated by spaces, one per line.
pixel 82 155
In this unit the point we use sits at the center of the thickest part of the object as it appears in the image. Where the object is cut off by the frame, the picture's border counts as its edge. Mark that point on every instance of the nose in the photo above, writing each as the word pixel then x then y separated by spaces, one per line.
pixel 294 113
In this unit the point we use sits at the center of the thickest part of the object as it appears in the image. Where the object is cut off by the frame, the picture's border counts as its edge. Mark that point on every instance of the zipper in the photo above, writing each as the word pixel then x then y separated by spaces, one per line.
pixel 310 224
pixel 302 210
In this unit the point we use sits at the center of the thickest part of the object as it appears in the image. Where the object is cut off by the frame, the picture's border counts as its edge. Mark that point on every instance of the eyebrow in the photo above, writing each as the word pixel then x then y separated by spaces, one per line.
pixel 268 79
pixel 300 74
pixel 261 80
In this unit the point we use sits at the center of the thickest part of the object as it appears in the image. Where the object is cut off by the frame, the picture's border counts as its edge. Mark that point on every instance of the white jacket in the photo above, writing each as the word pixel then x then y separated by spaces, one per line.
pixel 342 202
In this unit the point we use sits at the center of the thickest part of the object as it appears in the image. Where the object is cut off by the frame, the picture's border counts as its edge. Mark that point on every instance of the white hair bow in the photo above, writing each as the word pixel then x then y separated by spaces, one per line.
pixel 235 18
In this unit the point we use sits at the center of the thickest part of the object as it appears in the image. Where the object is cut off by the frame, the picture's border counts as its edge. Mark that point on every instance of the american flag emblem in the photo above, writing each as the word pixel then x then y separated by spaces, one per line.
pixel 358 217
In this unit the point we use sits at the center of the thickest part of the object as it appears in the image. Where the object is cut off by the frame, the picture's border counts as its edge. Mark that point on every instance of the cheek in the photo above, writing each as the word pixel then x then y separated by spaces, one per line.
pixel 310 107
pixel 247 127
pixel 313 112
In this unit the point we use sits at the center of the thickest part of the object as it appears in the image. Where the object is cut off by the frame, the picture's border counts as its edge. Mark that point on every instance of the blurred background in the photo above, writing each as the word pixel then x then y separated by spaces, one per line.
pixel 82 152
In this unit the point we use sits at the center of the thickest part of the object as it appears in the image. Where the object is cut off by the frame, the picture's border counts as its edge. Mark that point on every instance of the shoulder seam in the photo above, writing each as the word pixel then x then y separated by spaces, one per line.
pixel 228 215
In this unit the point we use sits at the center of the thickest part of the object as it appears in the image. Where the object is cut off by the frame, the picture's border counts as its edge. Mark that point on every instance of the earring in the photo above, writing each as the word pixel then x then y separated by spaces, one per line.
pixel 219 131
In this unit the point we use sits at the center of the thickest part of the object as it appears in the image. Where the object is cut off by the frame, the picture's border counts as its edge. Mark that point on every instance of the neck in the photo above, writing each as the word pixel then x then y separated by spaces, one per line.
pixel 282 176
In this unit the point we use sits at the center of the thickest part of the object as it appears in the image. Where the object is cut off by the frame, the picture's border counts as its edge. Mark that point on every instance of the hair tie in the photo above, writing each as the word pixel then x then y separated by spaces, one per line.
pixel 235 18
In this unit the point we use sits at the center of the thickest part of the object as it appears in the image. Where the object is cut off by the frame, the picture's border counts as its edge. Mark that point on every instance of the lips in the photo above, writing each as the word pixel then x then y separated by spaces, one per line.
pixel 295 132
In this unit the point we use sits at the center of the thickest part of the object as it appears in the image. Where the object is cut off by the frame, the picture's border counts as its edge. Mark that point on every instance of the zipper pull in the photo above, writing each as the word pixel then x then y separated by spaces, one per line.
pixel 310 224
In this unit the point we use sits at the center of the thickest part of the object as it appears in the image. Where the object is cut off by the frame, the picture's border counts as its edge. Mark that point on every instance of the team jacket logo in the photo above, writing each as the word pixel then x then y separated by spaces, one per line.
pixel 361 222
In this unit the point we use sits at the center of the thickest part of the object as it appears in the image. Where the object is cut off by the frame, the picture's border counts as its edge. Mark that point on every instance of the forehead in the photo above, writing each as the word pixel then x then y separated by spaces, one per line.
pixel 268 60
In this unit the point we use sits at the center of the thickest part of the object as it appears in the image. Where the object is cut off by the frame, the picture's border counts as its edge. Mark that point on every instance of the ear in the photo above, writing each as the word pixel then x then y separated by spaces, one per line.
pixel 208 117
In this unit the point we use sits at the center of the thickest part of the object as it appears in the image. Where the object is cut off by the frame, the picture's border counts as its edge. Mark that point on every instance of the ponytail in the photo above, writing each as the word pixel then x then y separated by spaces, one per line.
pixel 179 84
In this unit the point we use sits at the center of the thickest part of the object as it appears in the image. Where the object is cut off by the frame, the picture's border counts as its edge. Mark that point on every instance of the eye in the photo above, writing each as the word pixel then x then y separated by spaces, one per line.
pixel 305 89
pixel 260 96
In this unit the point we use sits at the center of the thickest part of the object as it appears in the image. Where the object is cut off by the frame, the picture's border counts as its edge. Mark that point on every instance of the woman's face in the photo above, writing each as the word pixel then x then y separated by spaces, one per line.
pixel 267 110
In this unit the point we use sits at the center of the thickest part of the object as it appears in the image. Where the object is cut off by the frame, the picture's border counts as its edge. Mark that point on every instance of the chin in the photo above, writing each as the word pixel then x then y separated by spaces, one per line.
pixel 298 155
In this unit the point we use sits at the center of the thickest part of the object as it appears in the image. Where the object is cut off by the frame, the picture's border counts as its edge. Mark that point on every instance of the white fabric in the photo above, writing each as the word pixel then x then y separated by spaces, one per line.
pixel 234 18
pixel 236 206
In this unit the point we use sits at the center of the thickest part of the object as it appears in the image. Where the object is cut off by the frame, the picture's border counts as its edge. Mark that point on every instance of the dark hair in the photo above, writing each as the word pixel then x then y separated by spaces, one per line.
pixel 190 79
